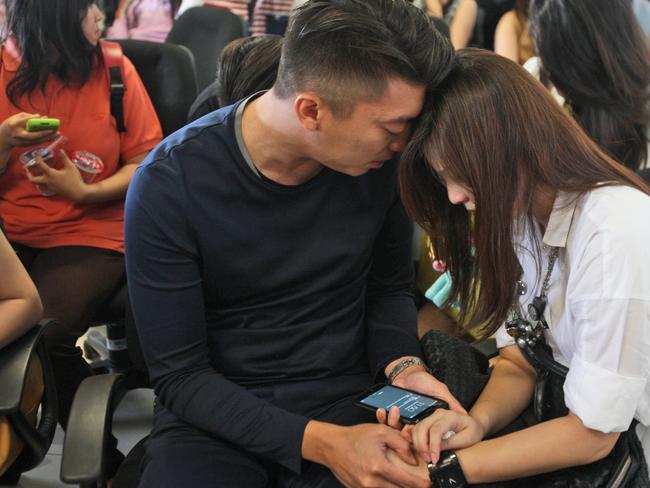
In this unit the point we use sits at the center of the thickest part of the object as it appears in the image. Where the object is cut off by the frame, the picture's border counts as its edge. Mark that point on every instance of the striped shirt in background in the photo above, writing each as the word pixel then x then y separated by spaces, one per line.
pixel 256 12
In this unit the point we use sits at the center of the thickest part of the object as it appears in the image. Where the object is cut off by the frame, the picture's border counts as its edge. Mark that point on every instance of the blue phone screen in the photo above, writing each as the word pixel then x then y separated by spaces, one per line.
pixel 409 404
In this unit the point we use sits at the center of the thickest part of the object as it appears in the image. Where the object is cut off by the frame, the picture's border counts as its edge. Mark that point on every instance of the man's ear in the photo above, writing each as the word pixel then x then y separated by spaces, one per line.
pixel 310 110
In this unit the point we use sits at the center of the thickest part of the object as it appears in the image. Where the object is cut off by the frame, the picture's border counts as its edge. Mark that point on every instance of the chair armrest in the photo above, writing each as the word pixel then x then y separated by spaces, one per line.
pixel 89 425
pixel 14 359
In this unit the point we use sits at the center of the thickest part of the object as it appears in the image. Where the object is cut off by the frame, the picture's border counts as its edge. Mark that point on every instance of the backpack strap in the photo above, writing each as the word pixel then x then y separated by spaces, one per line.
pixel 112 53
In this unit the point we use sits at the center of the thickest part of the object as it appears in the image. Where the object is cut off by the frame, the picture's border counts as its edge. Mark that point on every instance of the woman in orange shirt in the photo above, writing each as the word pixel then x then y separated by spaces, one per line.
pixel 68 232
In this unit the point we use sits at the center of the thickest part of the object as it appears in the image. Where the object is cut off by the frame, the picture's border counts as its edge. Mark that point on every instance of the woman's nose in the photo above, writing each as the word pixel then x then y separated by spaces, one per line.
pixel 456 194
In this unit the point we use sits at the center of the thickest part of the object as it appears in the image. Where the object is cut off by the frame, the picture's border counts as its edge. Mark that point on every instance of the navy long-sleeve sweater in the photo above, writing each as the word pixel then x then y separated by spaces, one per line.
pixel 239 283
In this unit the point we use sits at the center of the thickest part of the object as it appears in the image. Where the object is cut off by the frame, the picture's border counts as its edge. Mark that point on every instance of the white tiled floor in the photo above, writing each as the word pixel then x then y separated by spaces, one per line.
pixel 132 421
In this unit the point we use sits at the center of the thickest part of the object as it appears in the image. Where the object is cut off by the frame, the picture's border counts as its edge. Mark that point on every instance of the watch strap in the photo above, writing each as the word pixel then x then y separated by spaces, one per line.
pixel 447 472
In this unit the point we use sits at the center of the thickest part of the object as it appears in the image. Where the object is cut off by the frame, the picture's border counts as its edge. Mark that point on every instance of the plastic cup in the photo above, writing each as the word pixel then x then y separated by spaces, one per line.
pixel 89 165
pixel 28 160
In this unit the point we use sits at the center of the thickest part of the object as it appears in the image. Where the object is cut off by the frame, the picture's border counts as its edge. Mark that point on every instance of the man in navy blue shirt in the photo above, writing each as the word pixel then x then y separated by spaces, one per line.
pixel 269 262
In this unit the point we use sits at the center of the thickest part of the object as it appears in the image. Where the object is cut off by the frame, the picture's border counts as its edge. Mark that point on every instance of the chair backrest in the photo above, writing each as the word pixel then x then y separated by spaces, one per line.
pixel 16 372
pixel 205 31
pixel 168 74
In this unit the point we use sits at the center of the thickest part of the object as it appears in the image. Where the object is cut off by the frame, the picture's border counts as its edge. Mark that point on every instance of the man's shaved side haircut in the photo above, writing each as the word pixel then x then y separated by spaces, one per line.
pixel 347 50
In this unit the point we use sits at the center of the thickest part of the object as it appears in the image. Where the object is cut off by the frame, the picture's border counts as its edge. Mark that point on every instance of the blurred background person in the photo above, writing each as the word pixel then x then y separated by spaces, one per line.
pixel 512 38
pixel 67 230
pixel 246 66
pixel 148 20
pixel 594 53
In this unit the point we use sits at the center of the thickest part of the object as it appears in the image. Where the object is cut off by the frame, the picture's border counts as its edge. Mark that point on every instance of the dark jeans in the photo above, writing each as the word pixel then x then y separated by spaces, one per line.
pixel 178 454
pixel 73 283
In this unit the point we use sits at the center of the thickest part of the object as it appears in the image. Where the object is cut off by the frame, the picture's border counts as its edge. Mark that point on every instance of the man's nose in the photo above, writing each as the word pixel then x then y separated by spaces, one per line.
pixel 401 140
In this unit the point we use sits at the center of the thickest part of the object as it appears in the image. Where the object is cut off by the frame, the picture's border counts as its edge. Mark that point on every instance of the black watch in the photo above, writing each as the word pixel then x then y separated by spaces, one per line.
pixel 447 473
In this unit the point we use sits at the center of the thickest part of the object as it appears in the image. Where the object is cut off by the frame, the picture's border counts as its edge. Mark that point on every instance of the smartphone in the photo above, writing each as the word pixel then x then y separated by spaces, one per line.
pixel 413 406
pixel 37 124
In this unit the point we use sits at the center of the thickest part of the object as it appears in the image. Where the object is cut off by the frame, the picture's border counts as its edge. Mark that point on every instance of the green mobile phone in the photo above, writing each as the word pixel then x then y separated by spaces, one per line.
pixel 34 125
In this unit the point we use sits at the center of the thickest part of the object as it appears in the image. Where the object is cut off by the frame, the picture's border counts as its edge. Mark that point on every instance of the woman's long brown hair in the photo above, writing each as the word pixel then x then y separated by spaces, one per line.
pixel 497 131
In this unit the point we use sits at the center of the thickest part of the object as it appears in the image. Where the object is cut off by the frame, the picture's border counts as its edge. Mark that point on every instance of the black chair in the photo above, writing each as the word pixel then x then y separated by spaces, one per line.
pixel 171 84
pixel 14 361
pixel 91 419
pixel 205 31
pixel 169 75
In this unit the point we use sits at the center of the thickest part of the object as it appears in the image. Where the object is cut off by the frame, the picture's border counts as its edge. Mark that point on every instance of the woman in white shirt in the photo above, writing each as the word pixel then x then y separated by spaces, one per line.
pixel 493 142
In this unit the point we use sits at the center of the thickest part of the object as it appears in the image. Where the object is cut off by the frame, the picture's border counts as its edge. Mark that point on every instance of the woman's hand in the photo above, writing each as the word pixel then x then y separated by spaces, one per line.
pixel 432 435
pixel 13 132
pixel 66 182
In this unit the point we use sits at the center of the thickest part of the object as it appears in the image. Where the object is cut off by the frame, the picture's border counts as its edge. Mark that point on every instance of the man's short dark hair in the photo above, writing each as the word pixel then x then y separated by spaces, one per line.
pixel 346 50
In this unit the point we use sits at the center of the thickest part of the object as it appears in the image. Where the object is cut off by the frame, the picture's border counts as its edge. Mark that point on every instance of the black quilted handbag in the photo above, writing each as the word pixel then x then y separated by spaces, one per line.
pixel 465 372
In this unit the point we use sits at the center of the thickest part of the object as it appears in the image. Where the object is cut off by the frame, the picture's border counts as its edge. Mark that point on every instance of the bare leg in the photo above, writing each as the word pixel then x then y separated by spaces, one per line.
pixel 431 317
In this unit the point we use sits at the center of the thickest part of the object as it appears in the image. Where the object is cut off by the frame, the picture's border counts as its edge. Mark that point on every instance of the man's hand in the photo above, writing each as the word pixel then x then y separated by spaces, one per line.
pixel 66 182
pixel 357 455
pixel 417 379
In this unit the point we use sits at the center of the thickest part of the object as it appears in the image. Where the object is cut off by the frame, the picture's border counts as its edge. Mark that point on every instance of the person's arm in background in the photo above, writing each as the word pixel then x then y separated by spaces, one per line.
pixel 462 25
pixel 430 317
pixel 506 36
pixel 143 134
pixel 434 8
pixel 20 305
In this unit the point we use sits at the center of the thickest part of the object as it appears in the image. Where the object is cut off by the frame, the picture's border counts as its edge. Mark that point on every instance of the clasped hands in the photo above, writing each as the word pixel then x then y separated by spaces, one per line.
pixel 391 455
pixel 433 434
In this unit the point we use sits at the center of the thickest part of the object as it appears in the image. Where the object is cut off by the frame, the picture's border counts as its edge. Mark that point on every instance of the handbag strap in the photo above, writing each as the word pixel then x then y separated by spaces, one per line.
pixel 541 358
pixel 529 335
